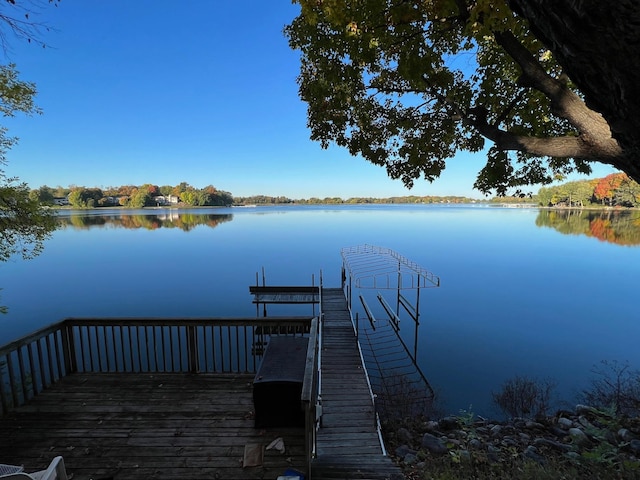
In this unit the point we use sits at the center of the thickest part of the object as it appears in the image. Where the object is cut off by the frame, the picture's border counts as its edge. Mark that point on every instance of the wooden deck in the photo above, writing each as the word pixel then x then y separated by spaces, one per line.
pixel 348 444
pixel 125 425
pixel 147 426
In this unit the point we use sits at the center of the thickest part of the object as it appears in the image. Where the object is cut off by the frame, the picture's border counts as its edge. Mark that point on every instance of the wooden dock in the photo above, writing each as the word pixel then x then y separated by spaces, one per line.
pixel 348 445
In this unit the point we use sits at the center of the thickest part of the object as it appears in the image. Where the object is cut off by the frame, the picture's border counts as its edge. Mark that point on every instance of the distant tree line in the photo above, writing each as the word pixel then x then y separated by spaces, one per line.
pixel 261 200
pixel 616 189
pixel 267 200
pixel 147 195
pixel 132 196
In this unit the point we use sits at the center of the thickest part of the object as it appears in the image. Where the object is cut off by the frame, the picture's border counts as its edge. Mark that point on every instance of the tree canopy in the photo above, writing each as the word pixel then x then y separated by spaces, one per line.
pixel 407 84
pixel 132 196
pixel 614 190
pixel 24 222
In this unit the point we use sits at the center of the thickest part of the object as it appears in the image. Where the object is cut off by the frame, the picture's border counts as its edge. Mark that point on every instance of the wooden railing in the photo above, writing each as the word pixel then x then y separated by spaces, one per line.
pixel 310 391
pixel 32 363
pixel 128 345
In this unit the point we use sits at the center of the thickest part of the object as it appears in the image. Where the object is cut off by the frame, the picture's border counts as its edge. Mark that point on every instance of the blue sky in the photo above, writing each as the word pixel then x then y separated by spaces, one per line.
pixel 159 91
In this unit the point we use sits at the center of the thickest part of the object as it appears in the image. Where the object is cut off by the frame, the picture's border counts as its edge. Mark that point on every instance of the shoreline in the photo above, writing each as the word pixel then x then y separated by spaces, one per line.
pixel 295 204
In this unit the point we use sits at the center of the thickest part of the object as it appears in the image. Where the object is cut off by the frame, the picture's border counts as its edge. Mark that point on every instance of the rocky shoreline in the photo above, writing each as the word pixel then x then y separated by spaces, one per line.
pixel 584 438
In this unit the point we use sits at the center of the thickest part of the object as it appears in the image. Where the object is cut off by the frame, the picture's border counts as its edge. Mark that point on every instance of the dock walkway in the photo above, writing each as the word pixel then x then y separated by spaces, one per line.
pixel 348 444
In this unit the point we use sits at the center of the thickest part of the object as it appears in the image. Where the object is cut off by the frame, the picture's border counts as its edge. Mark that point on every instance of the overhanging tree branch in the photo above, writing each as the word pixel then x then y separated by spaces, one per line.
pixel 592 126
pixel 516 100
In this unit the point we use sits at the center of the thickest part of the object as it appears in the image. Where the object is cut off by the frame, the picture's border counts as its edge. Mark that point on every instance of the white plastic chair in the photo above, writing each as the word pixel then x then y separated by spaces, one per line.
pixel 55 471
pixel 8 469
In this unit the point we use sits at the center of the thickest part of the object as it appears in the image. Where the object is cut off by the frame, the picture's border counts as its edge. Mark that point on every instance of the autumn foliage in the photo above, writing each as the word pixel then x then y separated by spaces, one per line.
pixel 607 186
pixel 616 189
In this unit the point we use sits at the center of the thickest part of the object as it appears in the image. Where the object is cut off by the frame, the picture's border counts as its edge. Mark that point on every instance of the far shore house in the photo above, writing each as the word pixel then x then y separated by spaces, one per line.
pixel 166 200
pixel 61 201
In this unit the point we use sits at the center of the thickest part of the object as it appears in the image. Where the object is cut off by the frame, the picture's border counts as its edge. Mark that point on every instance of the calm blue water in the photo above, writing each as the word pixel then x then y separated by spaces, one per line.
pixel 516 298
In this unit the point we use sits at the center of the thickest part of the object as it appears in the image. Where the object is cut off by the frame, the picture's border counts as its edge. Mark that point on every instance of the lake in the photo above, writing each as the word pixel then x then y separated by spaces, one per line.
pixel 548 294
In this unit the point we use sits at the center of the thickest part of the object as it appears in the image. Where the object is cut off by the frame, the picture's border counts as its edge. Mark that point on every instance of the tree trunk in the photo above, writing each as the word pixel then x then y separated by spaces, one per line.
pixel 597 43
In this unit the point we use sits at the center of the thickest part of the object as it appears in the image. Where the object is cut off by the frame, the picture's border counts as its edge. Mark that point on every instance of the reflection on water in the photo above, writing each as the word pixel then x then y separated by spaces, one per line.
pixel 621 227
pixel 150 221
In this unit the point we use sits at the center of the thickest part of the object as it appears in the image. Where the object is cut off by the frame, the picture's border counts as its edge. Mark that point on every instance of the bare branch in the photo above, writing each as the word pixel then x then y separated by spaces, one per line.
pixel 17 20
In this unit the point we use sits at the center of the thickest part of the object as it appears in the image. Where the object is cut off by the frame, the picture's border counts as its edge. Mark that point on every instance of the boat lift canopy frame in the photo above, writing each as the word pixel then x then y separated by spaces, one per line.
pixel 372 267
pixel 369 266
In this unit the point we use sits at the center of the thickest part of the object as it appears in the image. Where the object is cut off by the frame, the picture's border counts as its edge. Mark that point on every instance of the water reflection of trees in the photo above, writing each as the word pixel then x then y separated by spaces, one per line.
pixel 183 221
pixel 621 227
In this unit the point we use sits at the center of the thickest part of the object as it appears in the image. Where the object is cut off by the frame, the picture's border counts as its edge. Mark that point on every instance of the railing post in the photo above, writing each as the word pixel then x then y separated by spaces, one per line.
pixel 192 348
pixel 68 349
pixel 357 325
pixel 4 396
pixel 310 390
pixel 415 341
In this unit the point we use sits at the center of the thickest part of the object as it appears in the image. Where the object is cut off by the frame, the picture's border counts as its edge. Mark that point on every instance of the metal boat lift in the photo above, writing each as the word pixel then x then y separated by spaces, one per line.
pixel 397 283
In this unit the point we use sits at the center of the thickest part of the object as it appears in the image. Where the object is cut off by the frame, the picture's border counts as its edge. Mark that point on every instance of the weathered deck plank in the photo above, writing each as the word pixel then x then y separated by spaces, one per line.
pixel 143 426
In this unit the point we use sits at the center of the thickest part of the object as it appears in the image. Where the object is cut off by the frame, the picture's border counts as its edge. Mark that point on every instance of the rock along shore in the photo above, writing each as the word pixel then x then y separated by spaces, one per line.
pixel 580 437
